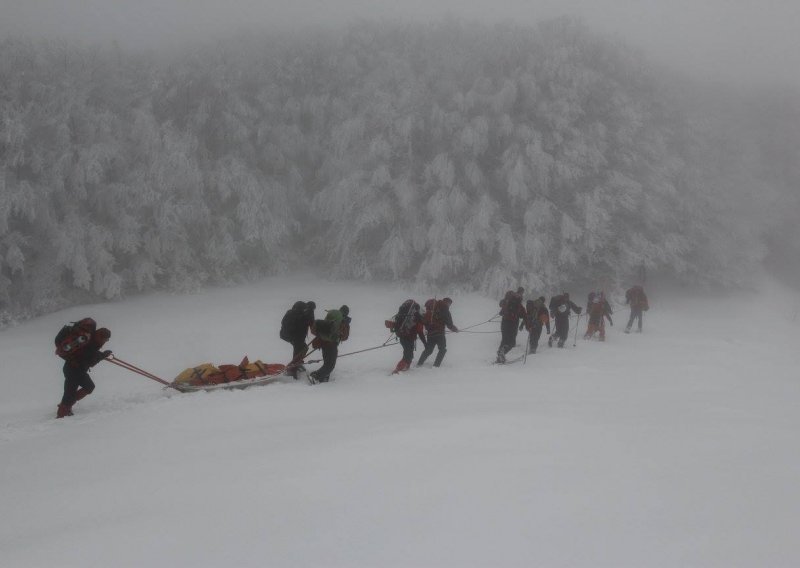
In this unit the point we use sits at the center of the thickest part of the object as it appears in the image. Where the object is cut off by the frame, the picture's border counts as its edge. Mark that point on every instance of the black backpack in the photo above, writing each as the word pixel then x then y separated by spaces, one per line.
pixel 406 318
pixel 294 323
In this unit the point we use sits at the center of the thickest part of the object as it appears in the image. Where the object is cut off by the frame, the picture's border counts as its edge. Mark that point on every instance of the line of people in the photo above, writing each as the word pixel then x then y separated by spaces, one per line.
pixel 81 343
pixel 534 317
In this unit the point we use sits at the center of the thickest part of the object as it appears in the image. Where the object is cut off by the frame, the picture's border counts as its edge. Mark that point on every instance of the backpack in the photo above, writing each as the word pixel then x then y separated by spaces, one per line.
pixel 597 306
pixel 406 318
pixel 432 310
pixel 73 339
pixel 293 323
pixel 511 304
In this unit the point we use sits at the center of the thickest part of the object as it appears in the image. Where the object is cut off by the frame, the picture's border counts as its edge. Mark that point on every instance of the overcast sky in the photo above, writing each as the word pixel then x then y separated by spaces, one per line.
pixel 750 40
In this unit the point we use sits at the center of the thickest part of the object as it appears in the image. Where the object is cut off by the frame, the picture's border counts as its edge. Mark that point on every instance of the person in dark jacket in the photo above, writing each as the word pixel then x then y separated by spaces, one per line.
pixel 329 332
pixel 407 326
pixel 437 317
pixel 536 319
pixel 512 311
pixel 637 300
pixel 294 328
pixel 560 309
pixel 80 346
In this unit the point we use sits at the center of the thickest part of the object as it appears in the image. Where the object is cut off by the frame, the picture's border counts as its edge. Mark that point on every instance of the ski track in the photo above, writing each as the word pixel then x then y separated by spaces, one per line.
pixel 671 447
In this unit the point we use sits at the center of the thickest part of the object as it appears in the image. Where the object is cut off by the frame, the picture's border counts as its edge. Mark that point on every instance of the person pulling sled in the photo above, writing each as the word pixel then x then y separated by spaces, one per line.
pixel 637 300
pixel 328 333
pixel 79 344
pixel 598 310
pixel 294 329
pixel 560 309
pixel 437 317
pixel 512 312
pixel 407 326
pixel 536 319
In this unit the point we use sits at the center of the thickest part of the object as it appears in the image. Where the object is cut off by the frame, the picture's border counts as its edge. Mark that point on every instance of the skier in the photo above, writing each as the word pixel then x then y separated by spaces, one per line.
pixel 637 299
pixel 537 318
pixel 329 332
pixel 407 325
pixel 437 317
pixel 512 311
pixel 294 329
pixel 560 308
pixel 79 345
pixel 598 309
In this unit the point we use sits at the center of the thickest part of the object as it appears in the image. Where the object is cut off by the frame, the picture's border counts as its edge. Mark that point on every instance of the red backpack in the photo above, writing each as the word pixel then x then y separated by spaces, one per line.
pixel 431 316
pixel 73 339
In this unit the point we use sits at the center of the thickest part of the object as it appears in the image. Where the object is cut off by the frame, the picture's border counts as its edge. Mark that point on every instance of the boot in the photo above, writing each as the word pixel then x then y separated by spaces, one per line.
pixel 81 394
pixel 501 357
pixel 550 341
pixel 439 357
pixel 63 410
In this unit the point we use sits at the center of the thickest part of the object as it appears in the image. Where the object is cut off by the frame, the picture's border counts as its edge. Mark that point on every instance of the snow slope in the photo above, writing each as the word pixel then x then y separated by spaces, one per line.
pixel 676 447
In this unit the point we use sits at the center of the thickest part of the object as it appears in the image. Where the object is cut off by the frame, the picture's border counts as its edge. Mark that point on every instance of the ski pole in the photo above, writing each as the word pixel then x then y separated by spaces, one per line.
pixel 134 369
pixel 527 347
pixel 577 323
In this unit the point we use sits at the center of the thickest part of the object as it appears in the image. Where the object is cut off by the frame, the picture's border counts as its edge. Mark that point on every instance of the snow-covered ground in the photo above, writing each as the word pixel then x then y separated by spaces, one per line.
pixel 677 447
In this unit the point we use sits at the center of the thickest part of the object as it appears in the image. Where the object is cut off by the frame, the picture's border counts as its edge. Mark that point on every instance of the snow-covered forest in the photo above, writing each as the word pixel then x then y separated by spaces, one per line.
pixel 468 155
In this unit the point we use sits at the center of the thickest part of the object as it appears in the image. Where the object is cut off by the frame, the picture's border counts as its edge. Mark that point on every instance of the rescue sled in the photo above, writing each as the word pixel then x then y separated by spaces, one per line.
pixel 208 377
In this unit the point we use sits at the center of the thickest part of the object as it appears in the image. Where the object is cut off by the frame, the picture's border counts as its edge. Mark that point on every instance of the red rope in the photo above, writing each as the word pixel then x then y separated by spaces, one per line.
pixel 133 368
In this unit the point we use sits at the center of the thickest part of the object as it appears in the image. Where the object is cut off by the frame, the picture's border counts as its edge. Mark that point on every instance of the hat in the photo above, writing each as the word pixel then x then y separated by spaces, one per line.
pixel 345 310
pixel 447 301
pixel 311 305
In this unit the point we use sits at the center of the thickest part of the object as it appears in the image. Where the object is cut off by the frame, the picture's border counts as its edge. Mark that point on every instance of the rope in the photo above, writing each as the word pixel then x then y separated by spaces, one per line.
pixel 135 369
pixel 384 344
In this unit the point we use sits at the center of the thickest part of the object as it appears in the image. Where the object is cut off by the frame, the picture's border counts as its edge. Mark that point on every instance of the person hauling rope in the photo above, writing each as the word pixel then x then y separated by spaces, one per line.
pixel 512 312
pixel 536 319
pixel 437 317
pixel 294 329
pixel 79 344
pixel 598 309
pixel 560 309
pixel 637 300
pixel 407 326
pixel 328 333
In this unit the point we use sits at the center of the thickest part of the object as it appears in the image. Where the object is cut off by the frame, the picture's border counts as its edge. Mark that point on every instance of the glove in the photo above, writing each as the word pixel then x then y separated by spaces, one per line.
pixel 107 353
pixel 455 329
pixel 316 343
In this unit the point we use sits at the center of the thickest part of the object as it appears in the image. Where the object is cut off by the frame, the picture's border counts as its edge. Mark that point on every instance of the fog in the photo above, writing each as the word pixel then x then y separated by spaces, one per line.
pixel 721 40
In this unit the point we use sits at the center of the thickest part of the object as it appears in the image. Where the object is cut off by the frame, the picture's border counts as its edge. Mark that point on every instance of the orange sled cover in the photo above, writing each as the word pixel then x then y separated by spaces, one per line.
pixel 208 374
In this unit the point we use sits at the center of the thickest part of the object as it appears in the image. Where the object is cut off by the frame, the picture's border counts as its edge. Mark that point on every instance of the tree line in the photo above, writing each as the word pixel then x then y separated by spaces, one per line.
pixel 447 154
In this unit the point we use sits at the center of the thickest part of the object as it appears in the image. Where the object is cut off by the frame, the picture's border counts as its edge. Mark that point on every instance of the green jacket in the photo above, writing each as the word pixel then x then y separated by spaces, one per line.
pixel 332 335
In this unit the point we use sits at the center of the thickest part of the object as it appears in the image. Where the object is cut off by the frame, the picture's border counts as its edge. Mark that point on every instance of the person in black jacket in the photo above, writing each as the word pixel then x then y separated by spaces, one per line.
pixel 637 299
pixel 560 309
pixel 79 345
pixel 512 312
pixel 294 329
pixel 437 317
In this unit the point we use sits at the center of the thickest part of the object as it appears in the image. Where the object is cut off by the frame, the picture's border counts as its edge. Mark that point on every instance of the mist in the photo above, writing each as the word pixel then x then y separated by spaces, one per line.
pixel 736 41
